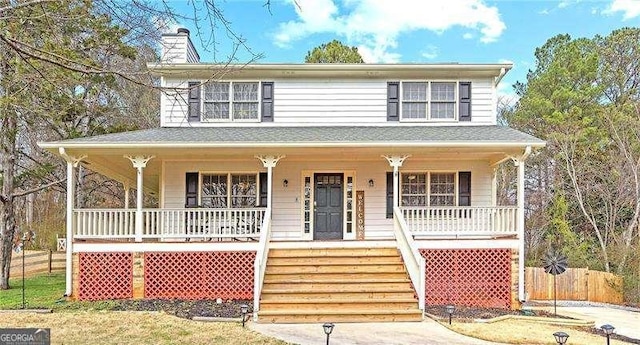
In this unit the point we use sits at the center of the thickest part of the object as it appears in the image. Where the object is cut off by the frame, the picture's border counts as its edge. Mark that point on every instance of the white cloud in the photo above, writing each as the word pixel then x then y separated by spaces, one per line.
pixel 505 61
pixel 430 52
pixel 629 8
pixel 543 12
pixel 376 24
pixel 467 36
pixel 375 54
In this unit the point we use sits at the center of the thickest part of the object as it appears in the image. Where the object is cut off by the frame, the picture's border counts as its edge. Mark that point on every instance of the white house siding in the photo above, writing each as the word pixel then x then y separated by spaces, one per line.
pixel 330 102
pixel 287 203
pixel 173 103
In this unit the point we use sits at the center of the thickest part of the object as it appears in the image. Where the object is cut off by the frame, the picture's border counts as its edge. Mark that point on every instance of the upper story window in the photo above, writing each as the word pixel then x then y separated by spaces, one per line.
pixel 230 101
pixel 429 100
pixel 235 101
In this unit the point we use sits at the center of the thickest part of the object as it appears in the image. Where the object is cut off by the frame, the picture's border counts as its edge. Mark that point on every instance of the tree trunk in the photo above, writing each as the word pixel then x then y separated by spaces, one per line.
pixel 8 154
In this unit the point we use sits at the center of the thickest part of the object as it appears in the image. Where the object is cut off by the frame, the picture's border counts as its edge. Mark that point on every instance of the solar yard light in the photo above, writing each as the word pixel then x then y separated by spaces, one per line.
pixel 244 309
pixel 450 309
pixel 608 331
pixel 328 328
pixel 561 337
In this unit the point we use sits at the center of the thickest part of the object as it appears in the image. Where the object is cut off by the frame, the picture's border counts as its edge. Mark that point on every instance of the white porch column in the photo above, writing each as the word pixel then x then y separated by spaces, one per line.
pixel 72 162
pixel 127 189
pixel 494 187
pixel 269 162
pixel 520 163
pixel 396 163
pixel 139 162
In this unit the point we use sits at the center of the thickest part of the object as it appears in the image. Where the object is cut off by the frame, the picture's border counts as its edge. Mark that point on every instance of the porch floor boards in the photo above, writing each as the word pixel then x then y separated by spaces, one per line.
pixel 337 285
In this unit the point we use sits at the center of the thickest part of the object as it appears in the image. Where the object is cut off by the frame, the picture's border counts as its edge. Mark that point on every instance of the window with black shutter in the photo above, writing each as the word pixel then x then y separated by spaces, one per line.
pixel 191 190
pixel 393 101
pixel 464 95
pixel 264 189
pixel 194 102
pixel 267 102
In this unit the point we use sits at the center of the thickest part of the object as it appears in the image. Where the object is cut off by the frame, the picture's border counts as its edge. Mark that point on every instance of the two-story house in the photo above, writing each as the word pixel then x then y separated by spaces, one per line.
pixel 323 192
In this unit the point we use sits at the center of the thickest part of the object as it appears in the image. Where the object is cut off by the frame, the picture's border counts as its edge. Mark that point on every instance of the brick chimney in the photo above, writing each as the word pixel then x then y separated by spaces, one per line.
pixel 178 48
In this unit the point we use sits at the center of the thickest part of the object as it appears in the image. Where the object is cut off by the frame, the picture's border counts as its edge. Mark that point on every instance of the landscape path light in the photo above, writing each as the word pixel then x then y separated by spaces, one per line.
pixel 450 309
pixel 328 328
pixel 608 331
pixel 244 309
pixel 561 337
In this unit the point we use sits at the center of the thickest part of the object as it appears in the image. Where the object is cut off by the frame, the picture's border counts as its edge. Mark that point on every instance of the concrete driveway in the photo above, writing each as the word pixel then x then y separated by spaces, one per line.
pixel 400 333
pixel 625 320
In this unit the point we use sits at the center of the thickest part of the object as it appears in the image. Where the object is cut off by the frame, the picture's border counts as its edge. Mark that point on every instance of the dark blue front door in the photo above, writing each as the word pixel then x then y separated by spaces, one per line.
pixel 328 207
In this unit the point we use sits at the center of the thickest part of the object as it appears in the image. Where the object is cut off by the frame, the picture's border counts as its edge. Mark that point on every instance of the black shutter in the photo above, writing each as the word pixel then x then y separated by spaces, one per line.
pixel 393 101
pixel 465 101
pixel 267 101
pixel 464 188
pixel 191 190
pixel 390 194
pixel 194 102
pixel 264 190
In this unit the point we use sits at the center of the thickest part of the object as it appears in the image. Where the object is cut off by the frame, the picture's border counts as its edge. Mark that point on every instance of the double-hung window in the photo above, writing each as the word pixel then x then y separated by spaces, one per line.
pixel 229 190
pixel 428 189
pixel 231 101
pixel 429 100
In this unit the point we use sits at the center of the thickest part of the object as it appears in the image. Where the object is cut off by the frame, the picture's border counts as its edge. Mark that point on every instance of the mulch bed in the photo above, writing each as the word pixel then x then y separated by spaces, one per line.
pixel 185 308
pixel 463 313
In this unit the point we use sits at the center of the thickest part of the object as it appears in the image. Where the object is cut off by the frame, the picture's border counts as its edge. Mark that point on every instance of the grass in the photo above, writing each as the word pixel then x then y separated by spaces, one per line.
pixel 41 291
pixel 125 327
pixel 524 332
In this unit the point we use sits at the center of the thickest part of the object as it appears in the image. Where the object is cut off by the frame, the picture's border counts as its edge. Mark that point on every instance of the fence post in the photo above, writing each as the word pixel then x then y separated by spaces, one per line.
pixel 50 258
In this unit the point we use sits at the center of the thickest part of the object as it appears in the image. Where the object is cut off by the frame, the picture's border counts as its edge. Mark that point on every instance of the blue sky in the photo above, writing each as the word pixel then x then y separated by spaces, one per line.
pixel 409 31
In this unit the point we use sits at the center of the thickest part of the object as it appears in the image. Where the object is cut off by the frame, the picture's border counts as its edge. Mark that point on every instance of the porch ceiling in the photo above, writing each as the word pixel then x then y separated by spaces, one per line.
pixel 105 154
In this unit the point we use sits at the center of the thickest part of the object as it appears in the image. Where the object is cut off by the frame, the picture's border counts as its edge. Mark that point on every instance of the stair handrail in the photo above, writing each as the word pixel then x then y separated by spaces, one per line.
pixel 413 260
pixel 260 263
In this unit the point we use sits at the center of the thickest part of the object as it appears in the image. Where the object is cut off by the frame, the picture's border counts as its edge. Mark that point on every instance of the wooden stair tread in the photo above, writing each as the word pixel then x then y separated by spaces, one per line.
pixel 338 261
pixel 338 281
pixel 338 300
pixel 336 290
pixel 341 312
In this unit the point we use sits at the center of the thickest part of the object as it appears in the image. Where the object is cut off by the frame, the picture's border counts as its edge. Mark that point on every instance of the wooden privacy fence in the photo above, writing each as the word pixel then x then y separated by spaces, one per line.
pixel 36 261
pixel 576 284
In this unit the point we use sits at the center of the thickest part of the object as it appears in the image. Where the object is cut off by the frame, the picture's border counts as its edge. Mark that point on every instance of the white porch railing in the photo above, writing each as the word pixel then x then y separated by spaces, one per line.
pixel 169 223
pixel 461 221
pixel 260 265
pixel 104 223
pixel 413 260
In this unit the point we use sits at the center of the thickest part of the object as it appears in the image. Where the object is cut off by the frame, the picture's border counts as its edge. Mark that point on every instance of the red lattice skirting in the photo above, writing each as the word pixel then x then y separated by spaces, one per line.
pixel 105 276
pixel 199 275
pixel 469 277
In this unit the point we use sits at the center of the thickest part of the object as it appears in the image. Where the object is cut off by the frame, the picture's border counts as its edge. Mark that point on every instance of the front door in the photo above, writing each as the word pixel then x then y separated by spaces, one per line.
pixel 328 207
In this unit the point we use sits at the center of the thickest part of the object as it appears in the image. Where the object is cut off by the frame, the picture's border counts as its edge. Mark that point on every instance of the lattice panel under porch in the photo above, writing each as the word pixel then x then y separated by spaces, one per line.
pixel 199 275
pixel 105 276
pixel 469 277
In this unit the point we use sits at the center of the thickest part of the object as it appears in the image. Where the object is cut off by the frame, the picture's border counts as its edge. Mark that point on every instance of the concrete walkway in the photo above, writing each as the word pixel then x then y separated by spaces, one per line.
pixel 400 333
pixel 626 322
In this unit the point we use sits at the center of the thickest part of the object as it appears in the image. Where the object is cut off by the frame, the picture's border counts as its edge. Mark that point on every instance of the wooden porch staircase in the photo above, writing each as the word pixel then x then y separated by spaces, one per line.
pixel 337 285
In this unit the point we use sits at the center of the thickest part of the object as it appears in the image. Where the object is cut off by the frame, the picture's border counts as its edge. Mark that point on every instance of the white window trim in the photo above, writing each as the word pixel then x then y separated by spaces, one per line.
pixel 428 107
pixel 456 192
pixel 231 101
pixel 202 173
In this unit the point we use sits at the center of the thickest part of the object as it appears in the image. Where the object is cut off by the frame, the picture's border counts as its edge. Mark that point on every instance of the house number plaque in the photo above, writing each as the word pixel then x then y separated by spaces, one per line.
pixel 360 215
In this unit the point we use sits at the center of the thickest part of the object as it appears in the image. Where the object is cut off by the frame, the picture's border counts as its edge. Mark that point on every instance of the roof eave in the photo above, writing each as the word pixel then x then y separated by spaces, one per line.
pixel 329 70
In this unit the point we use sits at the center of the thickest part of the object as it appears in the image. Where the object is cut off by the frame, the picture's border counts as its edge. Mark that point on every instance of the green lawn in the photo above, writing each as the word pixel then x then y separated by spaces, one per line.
pixel 41 291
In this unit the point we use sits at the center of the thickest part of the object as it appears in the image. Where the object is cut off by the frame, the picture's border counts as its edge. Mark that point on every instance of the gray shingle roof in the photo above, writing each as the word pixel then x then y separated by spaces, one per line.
pixel 210 136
